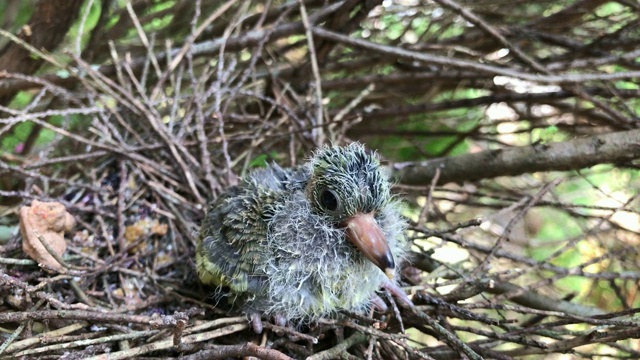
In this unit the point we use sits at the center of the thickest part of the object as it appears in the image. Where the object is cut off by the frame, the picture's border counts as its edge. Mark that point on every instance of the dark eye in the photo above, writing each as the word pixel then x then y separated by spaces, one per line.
pixel 328 200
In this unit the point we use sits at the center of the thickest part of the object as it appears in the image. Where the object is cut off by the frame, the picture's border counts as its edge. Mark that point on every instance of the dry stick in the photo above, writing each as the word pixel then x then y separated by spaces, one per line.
pixel 316 74
pixel 19 330
pixel 574 154
pixel 100 145
pixel 11 261
pixel 450 338
pixel 22 117
pixel 568 344
pixel 91 316
pixel 168 343
pixel 528 60
pixel 246 351
pixel 72 269
pixel 6 87
pixel 179 55
pixel 13 336
pixel 603 220
pixel 50 336
pixel 200 49
pixel 217 322
pixel 602 320
pixel 477 21
pixel 381 81
pixel 84 343
pixel 117 65
pixel 138 86
pixel 217 111
pixel 518 292
pixel 120 216
pixel 396 310
pixel 484 265
pixel 466 64
pixel 528 298
pixel 50 250
pixel 336 351
pixel 63 159
pixel 625 275
pixel 398 339
pixel 81 294
pixel 508 198
pixel 142 36
pixel 424 214
pixel 291 332
pixel 205 154
pixel 175 147
pixel 369 351
pixel 346 110
pixel 35 52
pixel 594 62
pixel 492 336
pixel 545 97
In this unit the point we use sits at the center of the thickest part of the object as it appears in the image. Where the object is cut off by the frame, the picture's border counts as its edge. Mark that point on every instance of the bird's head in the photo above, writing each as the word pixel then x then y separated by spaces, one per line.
pixel 348 187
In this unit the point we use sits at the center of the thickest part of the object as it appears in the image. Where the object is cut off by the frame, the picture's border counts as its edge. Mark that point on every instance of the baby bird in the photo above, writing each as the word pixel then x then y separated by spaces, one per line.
pixel 303 243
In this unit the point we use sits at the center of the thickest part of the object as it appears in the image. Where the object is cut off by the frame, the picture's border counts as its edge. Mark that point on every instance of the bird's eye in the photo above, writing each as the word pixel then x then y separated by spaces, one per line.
pixel 328 200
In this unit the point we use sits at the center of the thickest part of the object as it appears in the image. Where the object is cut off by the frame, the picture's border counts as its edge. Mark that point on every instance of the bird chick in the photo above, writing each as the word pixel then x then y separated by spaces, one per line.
pixel 306 242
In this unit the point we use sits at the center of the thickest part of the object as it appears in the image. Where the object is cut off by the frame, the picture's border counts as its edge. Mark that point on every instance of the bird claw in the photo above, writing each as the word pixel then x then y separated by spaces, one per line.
pixel 378 303
pixel 256 322
pixel 258 326
pixel 279 320
pixel 397 292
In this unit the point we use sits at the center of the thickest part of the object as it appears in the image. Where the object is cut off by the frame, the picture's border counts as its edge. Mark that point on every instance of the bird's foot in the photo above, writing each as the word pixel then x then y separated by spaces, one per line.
pixel 378 304
pixel 256 322
pixel 258 326
pixel 397 292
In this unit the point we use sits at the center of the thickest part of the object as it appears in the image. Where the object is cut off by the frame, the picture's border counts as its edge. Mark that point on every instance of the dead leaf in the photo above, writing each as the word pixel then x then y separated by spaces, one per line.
pixel 142 229
pixel 129 293
pixel 51 220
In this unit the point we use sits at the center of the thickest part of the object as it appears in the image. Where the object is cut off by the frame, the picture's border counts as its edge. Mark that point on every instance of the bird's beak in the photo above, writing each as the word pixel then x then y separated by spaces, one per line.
pixel 363 231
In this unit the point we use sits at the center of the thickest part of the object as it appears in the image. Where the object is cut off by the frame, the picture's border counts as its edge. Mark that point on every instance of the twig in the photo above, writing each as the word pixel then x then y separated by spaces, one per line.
pixel 471 65
pixel 338 350
pixel 319 117
pixel 247 350
pixel 168 343
pixel 450 338
pixel 83 343
pixel 19 345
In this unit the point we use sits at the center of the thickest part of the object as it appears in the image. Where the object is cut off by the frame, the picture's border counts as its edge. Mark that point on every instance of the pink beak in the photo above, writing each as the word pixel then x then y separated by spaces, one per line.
pixel 365 233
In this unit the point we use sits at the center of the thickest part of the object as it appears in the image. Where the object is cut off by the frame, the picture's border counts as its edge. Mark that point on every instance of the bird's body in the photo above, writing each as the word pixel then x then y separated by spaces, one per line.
pixel 303 243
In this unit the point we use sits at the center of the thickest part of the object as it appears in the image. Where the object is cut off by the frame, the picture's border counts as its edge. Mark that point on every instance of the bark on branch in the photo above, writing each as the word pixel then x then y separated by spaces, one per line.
pixel 570 155
pixel 46 29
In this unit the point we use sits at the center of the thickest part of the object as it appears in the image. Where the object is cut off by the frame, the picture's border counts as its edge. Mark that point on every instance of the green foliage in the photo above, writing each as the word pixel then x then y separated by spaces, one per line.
pixel 21 130
pixel 548 135
pixel 24 12
pixel 393 28
pixel 261 161
pixel 91 21
pixel 556 226
pixel 609 8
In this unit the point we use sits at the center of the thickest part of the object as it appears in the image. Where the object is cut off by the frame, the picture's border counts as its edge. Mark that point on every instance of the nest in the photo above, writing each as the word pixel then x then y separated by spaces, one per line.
pixel 132 152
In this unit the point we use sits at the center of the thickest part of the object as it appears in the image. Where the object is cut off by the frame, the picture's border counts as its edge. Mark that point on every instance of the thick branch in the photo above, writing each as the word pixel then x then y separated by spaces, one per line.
pixel 570 155
pixel 46 29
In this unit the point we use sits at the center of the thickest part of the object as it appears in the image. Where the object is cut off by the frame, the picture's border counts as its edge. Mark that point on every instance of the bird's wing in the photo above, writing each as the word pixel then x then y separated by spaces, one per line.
pixel 216 259
pixel 231 249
